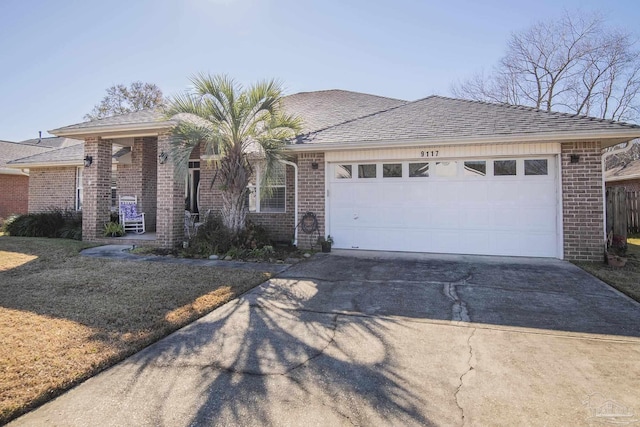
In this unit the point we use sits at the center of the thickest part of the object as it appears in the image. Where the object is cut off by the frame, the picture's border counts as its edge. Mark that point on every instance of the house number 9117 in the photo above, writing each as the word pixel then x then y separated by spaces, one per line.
pixel 433 153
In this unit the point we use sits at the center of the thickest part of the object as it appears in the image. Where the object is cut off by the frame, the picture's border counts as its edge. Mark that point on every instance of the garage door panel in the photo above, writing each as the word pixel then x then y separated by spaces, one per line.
pixel 474 217
pixel 445 218
pixel 493 215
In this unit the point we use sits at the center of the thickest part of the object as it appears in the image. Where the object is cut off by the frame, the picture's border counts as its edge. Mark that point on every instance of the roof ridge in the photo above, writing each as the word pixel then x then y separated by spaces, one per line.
pixel 348 91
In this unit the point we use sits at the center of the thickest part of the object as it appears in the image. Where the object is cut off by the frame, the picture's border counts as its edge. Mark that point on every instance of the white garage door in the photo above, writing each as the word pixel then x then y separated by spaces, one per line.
pixel 466 206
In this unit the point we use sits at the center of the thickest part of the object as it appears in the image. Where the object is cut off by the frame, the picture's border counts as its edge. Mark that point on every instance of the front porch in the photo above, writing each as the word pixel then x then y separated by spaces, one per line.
pixel 146 171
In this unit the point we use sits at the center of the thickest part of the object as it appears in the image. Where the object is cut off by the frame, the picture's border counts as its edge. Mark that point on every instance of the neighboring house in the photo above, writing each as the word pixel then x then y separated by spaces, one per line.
pixel 627 176
pixel 435 175
pixel 14 183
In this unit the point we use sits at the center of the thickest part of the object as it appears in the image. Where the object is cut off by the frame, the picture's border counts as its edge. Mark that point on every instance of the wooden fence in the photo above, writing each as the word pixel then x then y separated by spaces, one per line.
pixel 617 217
pixel 633 211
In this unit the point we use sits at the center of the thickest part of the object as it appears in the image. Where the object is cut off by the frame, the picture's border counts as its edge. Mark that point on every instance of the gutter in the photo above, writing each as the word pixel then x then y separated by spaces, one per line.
pixel 615 137
pixel 295 203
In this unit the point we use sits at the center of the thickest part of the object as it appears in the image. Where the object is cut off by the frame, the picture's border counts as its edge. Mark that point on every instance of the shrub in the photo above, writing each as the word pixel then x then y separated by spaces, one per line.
pixel 113 229
pixel 214 238
pixel 53 223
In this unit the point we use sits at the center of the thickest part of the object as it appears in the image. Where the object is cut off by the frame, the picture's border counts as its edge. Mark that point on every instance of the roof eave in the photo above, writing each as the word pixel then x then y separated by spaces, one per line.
pixel 13 171
pixel 116 131
pixel 607 138
pixel 45 164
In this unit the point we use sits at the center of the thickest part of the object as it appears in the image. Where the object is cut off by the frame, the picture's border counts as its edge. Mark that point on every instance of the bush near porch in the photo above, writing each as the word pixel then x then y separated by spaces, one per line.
pixel 625 279
pixel 64 317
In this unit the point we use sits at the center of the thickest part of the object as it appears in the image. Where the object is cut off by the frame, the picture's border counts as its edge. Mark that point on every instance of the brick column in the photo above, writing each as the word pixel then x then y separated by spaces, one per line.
pixel 96 181
pixel 311 193
pixel 582 202
pixel 170 199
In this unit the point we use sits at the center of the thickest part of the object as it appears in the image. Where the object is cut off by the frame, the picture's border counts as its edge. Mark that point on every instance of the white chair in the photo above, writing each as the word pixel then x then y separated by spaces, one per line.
pixel 130 218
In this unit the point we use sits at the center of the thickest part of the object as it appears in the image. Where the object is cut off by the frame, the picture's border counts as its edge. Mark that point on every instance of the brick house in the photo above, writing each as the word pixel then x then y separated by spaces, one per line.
pixel 14 183
pixel 434 175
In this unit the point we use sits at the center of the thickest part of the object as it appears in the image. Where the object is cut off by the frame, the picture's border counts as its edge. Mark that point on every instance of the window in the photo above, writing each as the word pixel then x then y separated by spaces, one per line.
pixel 418 170
pixel 446 169
pixel 504 167
pixel 343 172
pixel 268 196
pixel 475 168
pixel 392 170
pixel 114 190
pixel 535 167
pixel 79 195
pixel 366 171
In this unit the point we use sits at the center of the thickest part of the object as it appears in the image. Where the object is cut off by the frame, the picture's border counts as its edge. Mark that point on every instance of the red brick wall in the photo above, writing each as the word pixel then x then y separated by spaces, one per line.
pixel 14 199
pixel 52 188
pixel 629 184
pixel 170 199
pixel 96 209
pixel 279 224
pixel 582 202
pixel 311 194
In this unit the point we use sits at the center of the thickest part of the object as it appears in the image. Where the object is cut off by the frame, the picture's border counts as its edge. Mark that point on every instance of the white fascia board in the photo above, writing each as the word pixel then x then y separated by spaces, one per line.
pixel 609 138
pixel 113 131
pixel 45 165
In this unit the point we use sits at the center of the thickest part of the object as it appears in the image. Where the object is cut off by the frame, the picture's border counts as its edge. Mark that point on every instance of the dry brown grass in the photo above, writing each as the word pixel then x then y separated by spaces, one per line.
pixel 625 279
pixel 64 317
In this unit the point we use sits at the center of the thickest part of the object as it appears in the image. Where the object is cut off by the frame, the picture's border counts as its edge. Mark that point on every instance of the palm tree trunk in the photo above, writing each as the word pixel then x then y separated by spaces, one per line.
pixel 234 173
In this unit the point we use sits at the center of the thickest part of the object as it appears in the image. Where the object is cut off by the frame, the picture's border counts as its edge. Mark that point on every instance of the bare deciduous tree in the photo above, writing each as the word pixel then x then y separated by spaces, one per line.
pixel 575 64
pixel 121 99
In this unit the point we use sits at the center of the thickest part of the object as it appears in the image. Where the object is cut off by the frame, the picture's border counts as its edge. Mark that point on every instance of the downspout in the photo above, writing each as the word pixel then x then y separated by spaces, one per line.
pixel 295 203
pixel 605 156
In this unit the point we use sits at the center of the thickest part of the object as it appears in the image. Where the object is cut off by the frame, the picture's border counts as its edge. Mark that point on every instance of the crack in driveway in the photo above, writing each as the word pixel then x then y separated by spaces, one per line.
pixel 459 311
pixel 465 373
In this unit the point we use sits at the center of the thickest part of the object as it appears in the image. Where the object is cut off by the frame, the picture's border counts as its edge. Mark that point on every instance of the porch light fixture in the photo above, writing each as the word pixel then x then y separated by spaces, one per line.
pixel 314 165
pixel 575 158
pixel 162 158
pixel 88 160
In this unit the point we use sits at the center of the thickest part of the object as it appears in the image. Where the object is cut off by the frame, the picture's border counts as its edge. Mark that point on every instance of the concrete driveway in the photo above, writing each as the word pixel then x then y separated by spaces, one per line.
pixel 351 340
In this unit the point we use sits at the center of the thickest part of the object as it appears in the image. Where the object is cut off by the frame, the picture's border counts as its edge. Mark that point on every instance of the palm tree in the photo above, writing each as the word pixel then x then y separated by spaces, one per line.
pixel 233 124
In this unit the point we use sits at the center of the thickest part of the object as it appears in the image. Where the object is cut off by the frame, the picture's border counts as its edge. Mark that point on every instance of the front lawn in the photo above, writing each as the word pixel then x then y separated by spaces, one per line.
pixel 64 317
pixel 626 279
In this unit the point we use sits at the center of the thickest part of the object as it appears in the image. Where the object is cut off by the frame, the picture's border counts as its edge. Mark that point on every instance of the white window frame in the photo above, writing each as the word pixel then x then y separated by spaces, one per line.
pixel 255 195
pixel 79 188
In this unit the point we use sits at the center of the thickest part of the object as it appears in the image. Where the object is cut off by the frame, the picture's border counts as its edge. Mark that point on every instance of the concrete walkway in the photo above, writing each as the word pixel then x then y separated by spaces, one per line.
pixel 370 340
pixel 122 252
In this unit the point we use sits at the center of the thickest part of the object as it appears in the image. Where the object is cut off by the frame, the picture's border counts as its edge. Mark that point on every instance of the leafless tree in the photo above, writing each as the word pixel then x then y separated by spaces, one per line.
pixel 121 99
pixel 575 64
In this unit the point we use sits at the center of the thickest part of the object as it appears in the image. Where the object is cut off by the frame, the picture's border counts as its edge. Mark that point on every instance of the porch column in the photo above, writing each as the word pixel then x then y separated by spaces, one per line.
pixel 170 197
pixel 96 183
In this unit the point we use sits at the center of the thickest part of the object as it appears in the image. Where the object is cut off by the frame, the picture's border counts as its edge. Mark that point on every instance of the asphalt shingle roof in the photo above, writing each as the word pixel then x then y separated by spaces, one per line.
pixel 437 117
pixel 318 109
pixel 325 108
pixel 52 142
pixel 15 150
pixel 73 153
